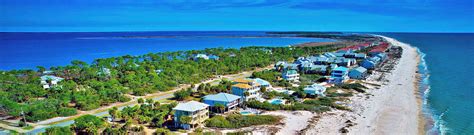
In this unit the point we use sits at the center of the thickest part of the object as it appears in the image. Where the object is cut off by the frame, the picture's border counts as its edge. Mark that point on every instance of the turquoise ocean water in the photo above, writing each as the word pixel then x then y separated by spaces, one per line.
pixel 446 83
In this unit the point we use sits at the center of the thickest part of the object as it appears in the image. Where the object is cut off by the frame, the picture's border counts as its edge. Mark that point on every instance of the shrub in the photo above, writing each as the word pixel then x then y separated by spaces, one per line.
pixel 355 86
pixel 67 111
pixel 238 121
pixel 162 131
pixel 59 131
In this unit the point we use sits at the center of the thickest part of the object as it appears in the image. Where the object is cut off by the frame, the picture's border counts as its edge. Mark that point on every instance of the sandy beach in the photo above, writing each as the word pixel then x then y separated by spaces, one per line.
pixel 392 108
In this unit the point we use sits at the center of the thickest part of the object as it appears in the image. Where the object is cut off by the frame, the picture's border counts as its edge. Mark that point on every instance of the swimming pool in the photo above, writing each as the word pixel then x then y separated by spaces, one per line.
pixel 276 101
pixel 245 112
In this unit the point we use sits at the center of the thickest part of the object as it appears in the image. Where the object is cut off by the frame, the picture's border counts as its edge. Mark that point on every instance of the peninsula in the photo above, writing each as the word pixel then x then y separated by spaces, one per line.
pixel 360 84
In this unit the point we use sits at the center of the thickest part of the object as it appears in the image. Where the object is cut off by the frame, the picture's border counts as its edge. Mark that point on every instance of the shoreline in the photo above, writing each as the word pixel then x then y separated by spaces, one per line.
pixel 419 99
pixel 392 105
pixel 392 108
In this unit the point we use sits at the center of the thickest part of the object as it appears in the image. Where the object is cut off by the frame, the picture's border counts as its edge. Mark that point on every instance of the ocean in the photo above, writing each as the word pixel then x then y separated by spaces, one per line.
pixel 446 84
pixel 28 50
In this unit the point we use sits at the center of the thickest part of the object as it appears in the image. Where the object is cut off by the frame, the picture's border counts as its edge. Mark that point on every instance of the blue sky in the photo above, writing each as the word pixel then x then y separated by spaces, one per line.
pixel 246 15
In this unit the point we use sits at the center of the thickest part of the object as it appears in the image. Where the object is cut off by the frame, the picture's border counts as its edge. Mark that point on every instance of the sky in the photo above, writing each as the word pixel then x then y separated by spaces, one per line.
pixel 237 15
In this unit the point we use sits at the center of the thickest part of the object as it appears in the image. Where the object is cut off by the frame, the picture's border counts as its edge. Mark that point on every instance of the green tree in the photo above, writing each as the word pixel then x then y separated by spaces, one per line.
pixel 88 123
pixel 162 131
pixel 219 107
pixel 59 131
pixel 263 89
pixel 114 113
pixel 156 104
pixel 140 101
pixel 185 119
pixel 150 102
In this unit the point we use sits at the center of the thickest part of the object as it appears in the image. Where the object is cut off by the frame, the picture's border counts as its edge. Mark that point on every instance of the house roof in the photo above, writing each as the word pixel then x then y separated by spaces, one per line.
pixel 291 72
pixel 280 63
pixel 242 80
pixel 51 77
pixel 340 69
pixel 315 88
pixel 242 85
pixel 360 55
pixel 190 106
pixel 261 81
pixel 224 97
pixel 359 69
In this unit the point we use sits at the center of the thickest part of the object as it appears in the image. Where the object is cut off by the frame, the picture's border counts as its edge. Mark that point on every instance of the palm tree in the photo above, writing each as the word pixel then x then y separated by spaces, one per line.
pixel 219 107
pixel 185 119
pixel 140 100
pixel 114 113
pixel 156 104
pixel 150 102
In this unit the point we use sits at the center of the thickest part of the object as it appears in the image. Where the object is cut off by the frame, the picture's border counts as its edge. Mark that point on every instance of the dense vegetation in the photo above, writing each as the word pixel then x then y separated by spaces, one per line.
pixel 238 121
pixel 320 104
pixel 59 131
pixel 355 86
pixel 89 86
pixel 150 113
pixel 88 124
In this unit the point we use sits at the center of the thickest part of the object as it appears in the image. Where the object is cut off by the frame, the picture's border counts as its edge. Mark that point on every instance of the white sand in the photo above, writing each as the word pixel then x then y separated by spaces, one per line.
pixel 294 121
pixel 393 108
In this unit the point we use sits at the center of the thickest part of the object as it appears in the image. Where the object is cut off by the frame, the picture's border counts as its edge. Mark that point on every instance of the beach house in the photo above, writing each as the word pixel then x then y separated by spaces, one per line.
pixel 280 65
pixel 291 75
pixel 319 60
pixel 49 81
pixel 213 57
pixel 190 114
pixel 229 101
pixel 314 90
pixel 379 49
pixel 338 75
pixel 382 56
pixel 317 69
pixel 358 73
pixel 360 56
pixel 246 89
pixel 263 83
pixel 291 66
pixel 371 62
pixel 200 56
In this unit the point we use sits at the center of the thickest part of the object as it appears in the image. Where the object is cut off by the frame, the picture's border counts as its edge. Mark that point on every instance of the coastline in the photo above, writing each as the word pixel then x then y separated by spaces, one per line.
pixel 394 107
pixel 391 106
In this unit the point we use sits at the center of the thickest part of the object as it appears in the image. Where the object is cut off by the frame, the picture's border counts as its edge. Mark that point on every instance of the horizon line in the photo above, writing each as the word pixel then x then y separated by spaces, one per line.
pixel 428 32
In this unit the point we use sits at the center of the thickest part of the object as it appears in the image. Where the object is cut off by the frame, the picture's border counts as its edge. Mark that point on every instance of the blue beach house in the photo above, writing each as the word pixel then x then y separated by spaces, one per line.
pixel 213 57
pixel 228 100
pixel 315 89
pixel 382 56
pixel 358 73
pixel 370 63
pixel 339 75
pixel 290 75
pixel 360 56
pixel 263 83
